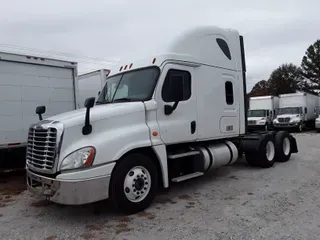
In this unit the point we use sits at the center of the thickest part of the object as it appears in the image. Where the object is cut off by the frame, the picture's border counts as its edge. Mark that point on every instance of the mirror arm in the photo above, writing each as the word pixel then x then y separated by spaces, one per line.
pixel 168 109
pixel 87 128
pixel 175 105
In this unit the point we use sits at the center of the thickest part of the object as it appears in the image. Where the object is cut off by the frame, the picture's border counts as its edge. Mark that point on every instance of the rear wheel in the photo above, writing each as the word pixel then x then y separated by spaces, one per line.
pixel 282 146
pixel 265 155
pixel 134 183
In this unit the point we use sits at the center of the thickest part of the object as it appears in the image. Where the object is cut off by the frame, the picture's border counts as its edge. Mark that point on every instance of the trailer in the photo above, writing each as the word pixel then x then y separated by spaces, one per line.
pixel 26 82
pixel 179 115
pixel 262 112
pixel 296 110
pixel 90 84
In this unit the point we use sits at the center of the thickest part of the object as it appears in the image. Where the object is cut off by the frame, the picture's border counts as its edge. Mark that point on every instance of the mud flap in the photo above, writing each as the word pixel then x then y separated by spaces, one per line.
pixel 293 144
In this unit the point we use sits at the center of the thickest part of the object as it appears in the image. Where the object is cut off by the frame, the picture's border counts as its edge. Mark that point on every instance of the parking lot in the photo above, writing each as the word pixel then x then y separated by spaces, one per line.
pixel 236 202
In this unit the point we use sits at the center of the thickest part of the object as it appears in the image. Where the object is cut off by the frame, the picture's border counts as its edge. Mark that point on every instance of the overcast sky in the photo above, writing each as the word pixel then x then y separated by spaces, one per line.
pixel 275 32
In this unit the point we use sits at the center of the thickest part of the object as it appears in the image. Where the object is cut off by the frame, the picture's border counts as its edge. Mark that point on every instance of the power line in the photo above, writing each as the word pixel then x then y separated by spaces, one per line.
pixel 82 58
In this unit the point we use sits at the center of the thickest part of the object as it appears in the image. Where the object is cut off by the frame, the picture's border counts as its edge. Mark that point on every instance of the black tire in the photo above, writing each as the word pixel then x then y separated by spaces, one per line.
pixel 117 193
pixel 282 153
pixel 259 157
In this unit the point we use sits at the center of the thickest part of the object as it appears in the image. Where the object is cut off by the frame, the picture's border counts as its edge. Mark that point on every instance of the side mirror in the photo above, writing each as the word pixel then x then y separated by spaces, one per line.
pixel 40 110
pixel 176 93
pixel 87 128
pixel 89 102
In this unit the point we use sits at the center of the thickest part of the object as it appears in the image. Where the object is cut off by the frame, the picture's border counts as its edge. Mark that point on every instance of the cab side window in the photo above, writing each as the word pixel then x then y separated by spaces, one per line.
pixel 176 86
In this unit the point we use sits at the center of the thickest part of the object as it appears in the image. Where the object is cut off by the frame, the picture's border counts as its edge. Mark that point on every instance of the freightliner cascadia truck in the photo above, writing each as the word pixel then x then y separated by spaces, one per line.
pixel 167 118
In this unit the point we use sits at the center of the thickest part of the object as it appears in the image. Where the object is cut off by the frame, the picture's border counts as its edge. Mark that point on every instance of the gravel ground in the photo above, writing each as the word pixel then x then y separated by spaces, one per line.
pixel 233 203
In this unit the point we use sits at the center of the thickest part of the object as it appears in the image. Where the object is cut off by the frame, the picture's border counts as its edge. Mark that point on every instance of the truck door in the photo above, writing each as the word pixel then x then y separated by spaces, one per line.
pixel 178 123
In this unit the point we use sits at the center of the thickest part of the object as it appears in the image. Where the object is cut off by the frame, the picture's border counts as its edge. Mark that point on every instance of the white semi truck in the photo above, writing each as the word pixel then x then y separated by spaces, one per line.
pixel 90 84
pixel 296 110
pixel 26 82
pixel 178 115
pixel 262 111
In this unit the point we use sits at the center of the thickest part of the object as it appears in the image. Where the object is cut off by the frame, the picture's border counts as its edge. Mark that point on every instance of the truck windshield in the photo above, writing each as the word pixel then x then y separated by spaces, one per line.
pixel 137 85
pixel 289 110
pixel 257 113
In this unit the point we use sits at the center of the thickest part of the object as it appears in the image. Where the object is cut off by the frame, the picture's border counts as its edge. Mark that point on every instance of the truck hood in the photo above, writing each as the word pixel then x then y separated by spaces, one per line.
pixel 288 116
pixel 98 112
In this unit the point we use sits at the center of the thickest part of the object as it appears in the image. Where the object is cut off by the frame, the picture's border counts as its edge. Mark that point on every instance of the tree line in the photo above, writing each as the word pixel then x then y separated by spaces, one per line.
pixel 289 78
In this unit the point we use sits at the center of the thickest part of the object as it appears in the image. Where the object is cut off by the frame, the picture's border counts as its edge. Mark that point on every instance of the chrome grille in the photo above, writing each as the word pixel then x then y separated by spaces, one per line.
pixel 284 120
pixel 251 122
pixel 41 149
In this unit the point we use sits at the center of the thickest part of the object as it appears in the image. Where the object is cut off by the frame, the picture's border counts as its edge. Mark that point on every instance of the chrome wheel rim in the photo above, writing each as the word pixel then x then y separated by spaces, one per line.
pixel 286 146
pixel 270 151
pixel 137 184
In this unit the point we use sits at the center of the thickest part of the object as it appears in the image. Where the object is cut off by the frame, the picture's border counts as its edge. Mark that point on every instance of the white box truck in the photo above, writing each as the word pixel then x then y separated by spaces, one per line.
pixel 296 110
pixel 90 84
pixel 26 82
pixel 262 111
pixel 179 114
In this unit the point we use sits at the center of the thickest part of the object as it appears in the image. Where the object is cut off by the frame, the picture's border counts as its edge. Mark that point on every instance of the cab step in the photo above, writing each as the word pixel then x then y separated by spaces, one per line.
pixel 186 177
pixel 181 155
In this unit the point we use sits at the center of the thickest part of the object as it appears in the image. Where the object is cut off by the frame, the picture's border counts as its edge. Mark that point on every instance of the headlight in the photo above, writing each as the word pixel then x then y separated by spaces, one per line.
pixel 82 157
pixel 275 121
pixel 262 122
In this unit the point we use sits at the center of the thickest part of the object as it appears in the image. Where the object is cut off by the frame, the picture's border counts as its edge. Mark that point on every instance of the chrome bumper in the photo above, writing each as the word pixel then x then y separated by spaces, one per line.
pixel 285 125
pixel 69 192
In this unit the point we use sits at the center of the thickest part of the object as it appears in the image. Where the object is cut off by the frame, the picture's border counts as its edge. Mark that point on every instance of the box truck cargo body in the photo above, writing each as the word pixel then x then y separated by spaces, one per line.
pixel 25 83
pixel 90 84
pixel 262 111
pixel 296 110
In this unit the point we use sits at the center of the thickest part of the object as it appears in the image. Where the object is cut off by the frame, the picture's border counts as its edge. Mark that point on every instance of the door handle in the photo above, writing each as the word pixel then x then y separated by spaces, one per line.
pixel 193 127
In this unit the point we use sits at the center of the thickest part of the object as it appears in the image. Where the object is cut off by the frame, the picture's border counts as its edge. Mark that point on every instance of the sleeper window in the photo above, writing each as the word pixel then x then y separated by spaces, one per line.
pixel 229 92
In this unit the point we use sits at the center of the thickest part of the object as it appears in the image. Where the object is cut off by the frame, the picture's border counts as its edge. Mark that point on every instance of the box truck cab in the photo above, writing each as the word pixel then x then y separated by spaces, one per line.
pixel 262 111
pixel 163 119
pixel 317 114
pixel 296 110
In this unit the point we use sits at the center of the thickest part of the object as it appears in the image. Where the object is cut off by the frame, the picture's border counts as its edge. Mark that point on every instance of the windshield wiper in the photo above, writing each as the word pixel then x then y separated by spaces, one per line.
pixel 125 99
pixel 102 102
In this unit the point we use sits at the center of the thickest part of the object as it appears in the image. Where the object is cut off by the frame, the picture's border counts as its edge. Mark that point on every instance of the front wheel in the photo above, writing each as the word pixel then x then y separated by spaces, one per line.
pixel 300 127
pixel 134 183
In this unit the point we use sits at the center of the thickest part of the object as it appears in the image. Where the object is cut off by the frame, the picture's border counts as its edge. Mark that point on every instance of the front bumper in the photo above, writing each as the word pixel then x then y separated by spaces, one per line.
pixel 285 125
pixel 317 125
pixel 69 192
